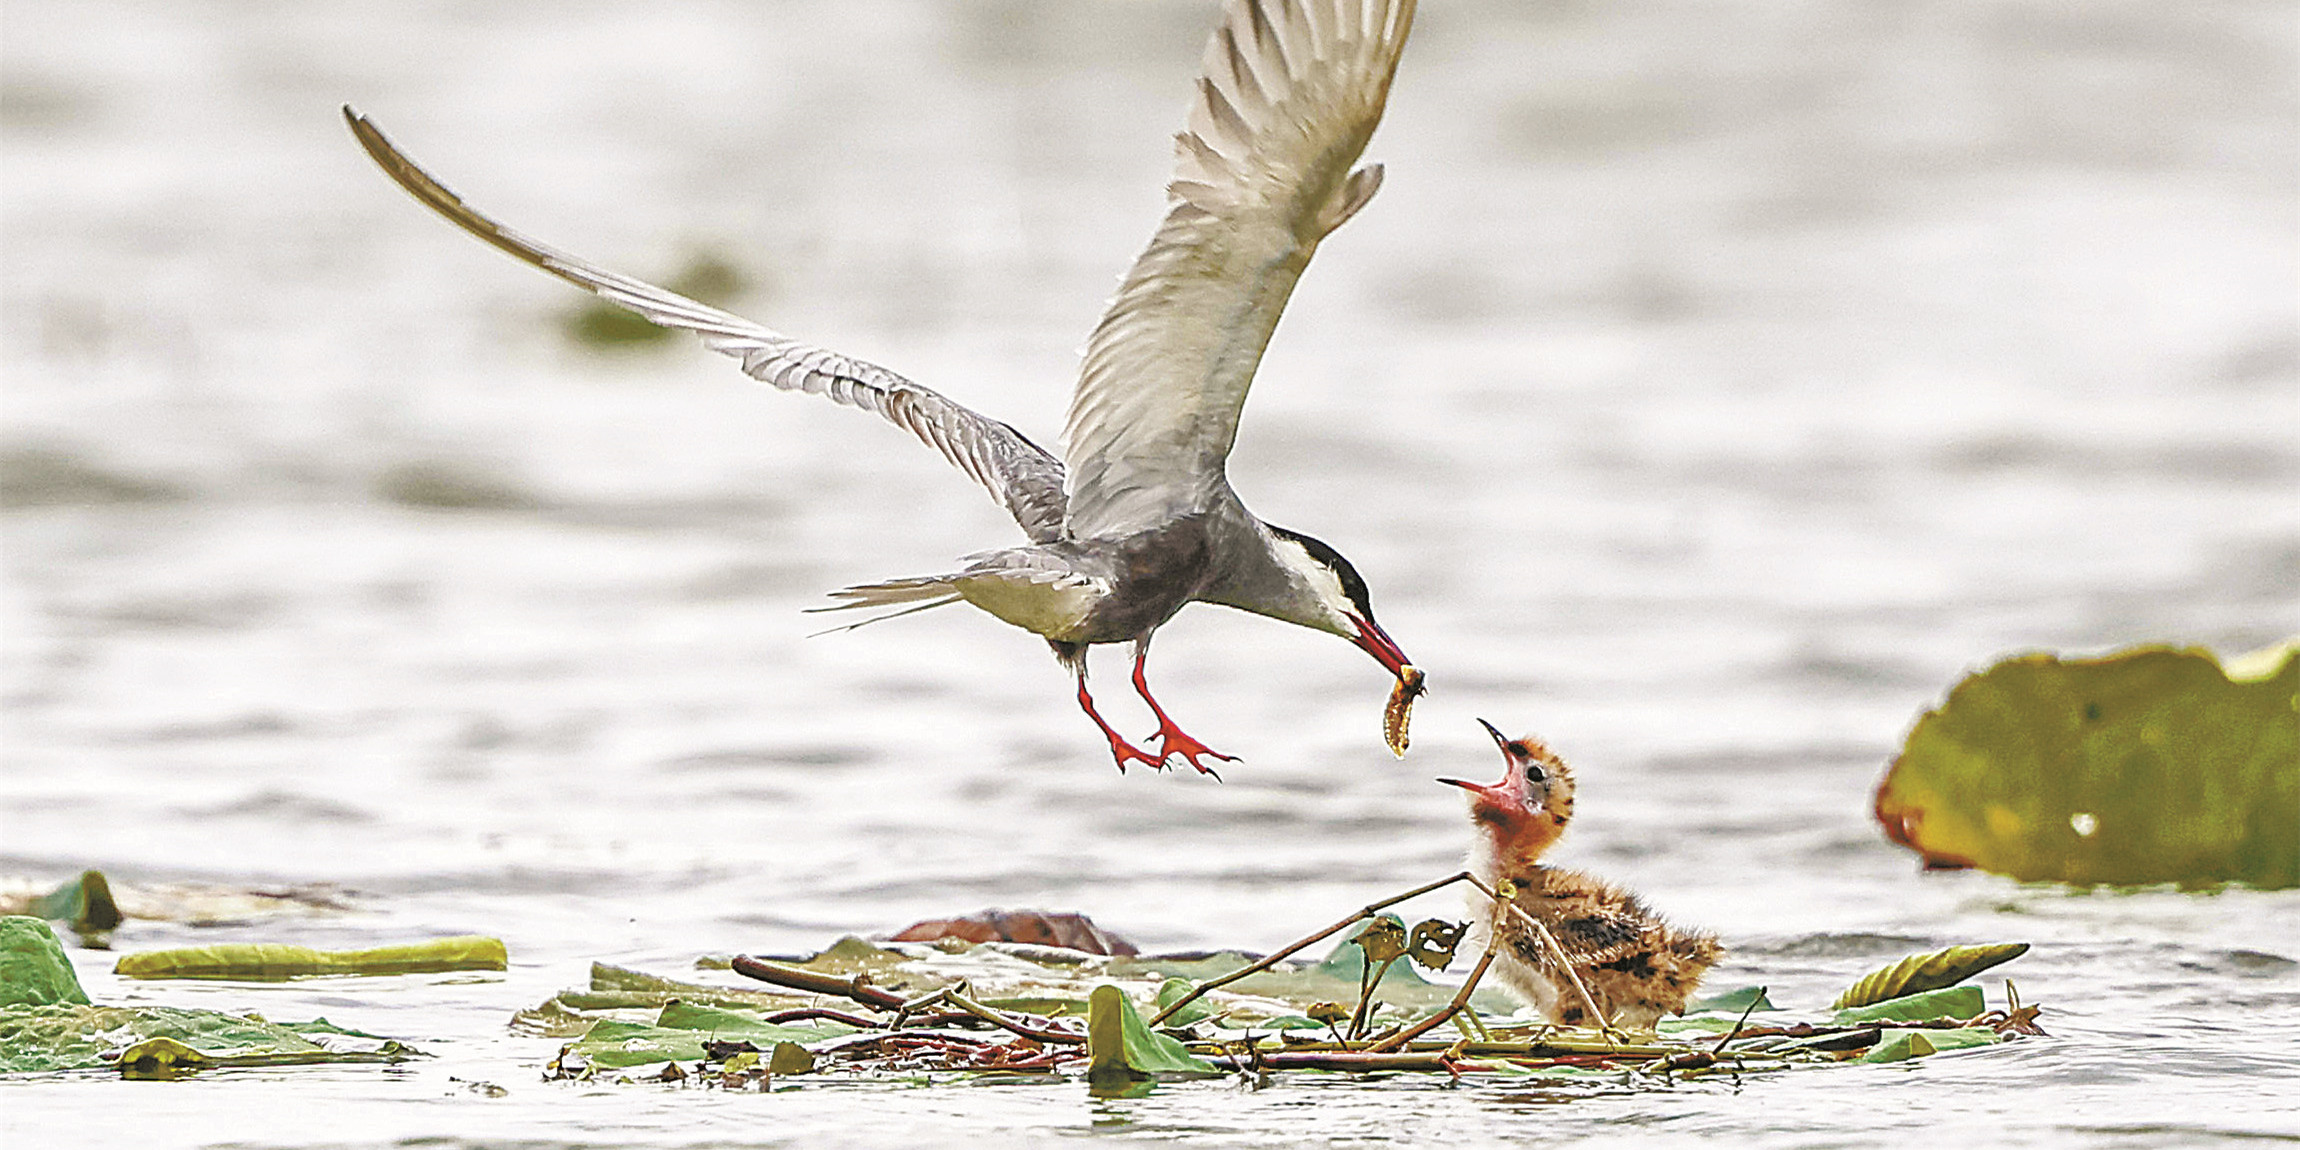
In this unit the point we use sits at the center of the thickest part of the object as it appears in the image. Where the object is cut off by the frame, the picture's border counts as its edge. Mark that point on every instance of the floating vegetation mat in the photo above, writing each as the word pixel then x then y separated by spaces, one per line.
pixel 47 1024
pixel 959 1011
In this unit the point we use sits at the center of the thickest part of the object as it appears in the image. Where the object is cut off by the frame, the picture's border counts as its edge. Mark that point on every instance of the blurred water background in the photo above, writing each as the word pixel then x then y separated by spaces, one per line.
pixel 1709 388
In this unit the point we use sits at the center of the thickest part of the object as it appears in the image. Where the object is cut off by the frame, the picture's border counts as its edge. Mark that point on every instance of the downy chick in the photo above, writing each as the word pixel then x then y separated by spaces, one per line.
pixel 1635 966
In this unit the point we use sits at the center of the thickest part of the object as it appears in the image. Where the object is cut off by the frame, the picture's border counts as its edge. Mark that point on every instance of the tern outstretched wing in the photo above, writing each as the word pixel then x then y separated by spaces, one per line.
pixel 1019 474
pixel 1291 91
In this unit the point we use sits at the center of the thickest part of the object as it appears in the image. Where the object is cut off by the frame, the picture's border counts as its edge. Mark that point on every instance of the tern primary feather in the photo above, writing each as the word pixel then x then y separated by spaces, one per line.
pixel 1137 518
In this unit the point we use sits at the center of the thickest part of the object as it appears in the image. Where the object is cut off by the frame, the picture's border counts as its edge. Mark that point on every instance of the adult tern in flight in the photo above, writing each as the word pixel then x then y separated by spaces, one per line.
pixel 1137 518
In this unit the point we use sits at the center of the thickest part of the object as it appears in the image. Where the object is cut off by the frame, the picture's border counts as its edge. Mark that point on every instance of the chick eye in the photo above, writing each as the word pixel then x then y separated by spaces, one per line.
pixel 1534 773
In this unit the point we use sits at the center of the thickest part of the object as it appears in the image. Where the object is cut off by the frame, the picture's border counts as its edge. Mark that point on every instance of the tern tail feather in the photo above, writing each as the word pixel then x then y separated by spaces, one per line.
pixel 922 593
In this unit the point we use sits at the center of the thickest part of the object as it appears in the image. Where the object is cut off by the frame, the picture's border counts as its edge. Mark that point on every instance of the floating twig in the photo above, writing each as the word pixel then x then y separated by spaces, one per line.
pixel 905 1010
pixel 1046 1033
pixel 912 1006
pixel 1734 1033
pixel 856 988
pixel 1270 960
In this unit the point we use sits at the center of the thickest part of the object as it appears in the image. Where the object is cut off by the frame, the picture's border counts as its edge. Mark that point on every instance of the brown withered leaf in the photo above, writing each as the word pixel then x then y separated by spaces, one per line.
pixel 1383 940
pixel 1432 943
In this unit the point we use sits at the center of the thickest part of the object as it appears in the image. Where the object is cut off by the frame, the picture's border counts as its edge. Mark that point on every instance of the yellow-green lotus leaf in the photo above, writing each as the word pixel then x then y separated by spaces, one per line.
pixel 2151 765
pixel 1121 1048
pixel 274 962
pixel 1922 972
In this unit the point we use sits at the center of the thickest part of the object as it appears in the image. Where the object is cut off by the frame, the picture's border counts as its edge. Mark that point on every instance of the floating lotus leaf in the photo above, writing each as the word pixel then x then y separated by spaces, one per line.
pixel 1902 1045
pixel 1122 1049
pixel 33 968
pixel 1921 972
pixel 741 1026
pixel 851 955
pixel 47 1024
pixel 684 1033
pixel 2149 766
pixel 1172 991
pixel 790 1058
pixel 1750 998
pixel 75 1037
pixel 272 962
pixel 614 987
pixel 1957 1002
pixel 85 902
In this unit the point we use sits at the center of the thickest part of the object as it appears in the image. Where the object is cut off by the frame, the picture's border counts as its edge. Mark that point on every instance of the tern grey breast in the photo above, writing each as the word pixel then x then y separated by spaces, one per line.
pixel 1137 518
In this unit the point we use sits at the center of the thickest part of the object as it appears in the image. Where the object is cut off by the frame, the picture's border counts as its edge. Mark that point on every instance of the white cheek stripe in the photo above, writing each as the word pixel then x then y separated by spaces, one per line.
pixel 1324 583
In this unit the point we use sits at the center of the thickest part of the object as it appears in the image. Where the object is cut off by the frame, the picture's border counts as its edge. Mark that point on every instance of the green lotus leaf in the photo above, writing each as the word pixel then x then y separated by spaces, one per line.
pixel 738 1026
pixel 681 1032
pixel 851 955
pixel 1171 991
pixel 1957 1002
pixel 1902 1045
pixel 33 968
pixel 1121 1049
pixel 1750 998
pixel 614 986
pixel 85 902
pixel 165 1041
pixel 612 1044
pixel 1050 1006
pixel 2153 765
pixel 1921 972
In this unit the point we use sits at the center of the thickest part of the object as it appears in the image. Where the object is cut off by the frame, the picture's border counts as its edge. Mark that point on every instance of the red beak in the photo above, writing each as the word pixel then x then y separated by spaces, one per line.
pixel 1376 642
pixel 1490 794
pixel 1500 794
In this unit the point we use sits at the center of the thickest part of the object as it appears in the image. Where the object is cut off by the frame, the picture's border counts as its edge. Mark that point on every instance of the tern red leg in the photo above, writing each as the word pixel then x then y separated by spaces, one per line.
pixel 1120 749
pixel 1172 740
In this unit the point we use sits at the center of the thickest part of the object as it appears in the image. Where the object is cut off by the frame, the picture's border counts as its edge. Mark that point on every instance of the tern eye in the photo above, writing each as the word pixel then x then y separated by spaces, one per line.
pixel 1534 773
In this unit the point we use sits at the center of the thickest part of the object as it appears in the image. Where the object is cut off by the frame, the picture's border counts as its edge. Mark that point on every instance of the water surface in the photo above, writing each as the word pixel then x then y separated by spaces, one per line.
pixel 1707 390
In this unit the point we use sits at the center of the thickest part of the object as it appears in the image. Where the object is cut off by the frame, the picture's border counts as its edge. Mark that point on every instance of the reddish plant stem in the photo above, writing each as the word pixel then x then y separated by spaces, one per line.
pixel 822 1014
